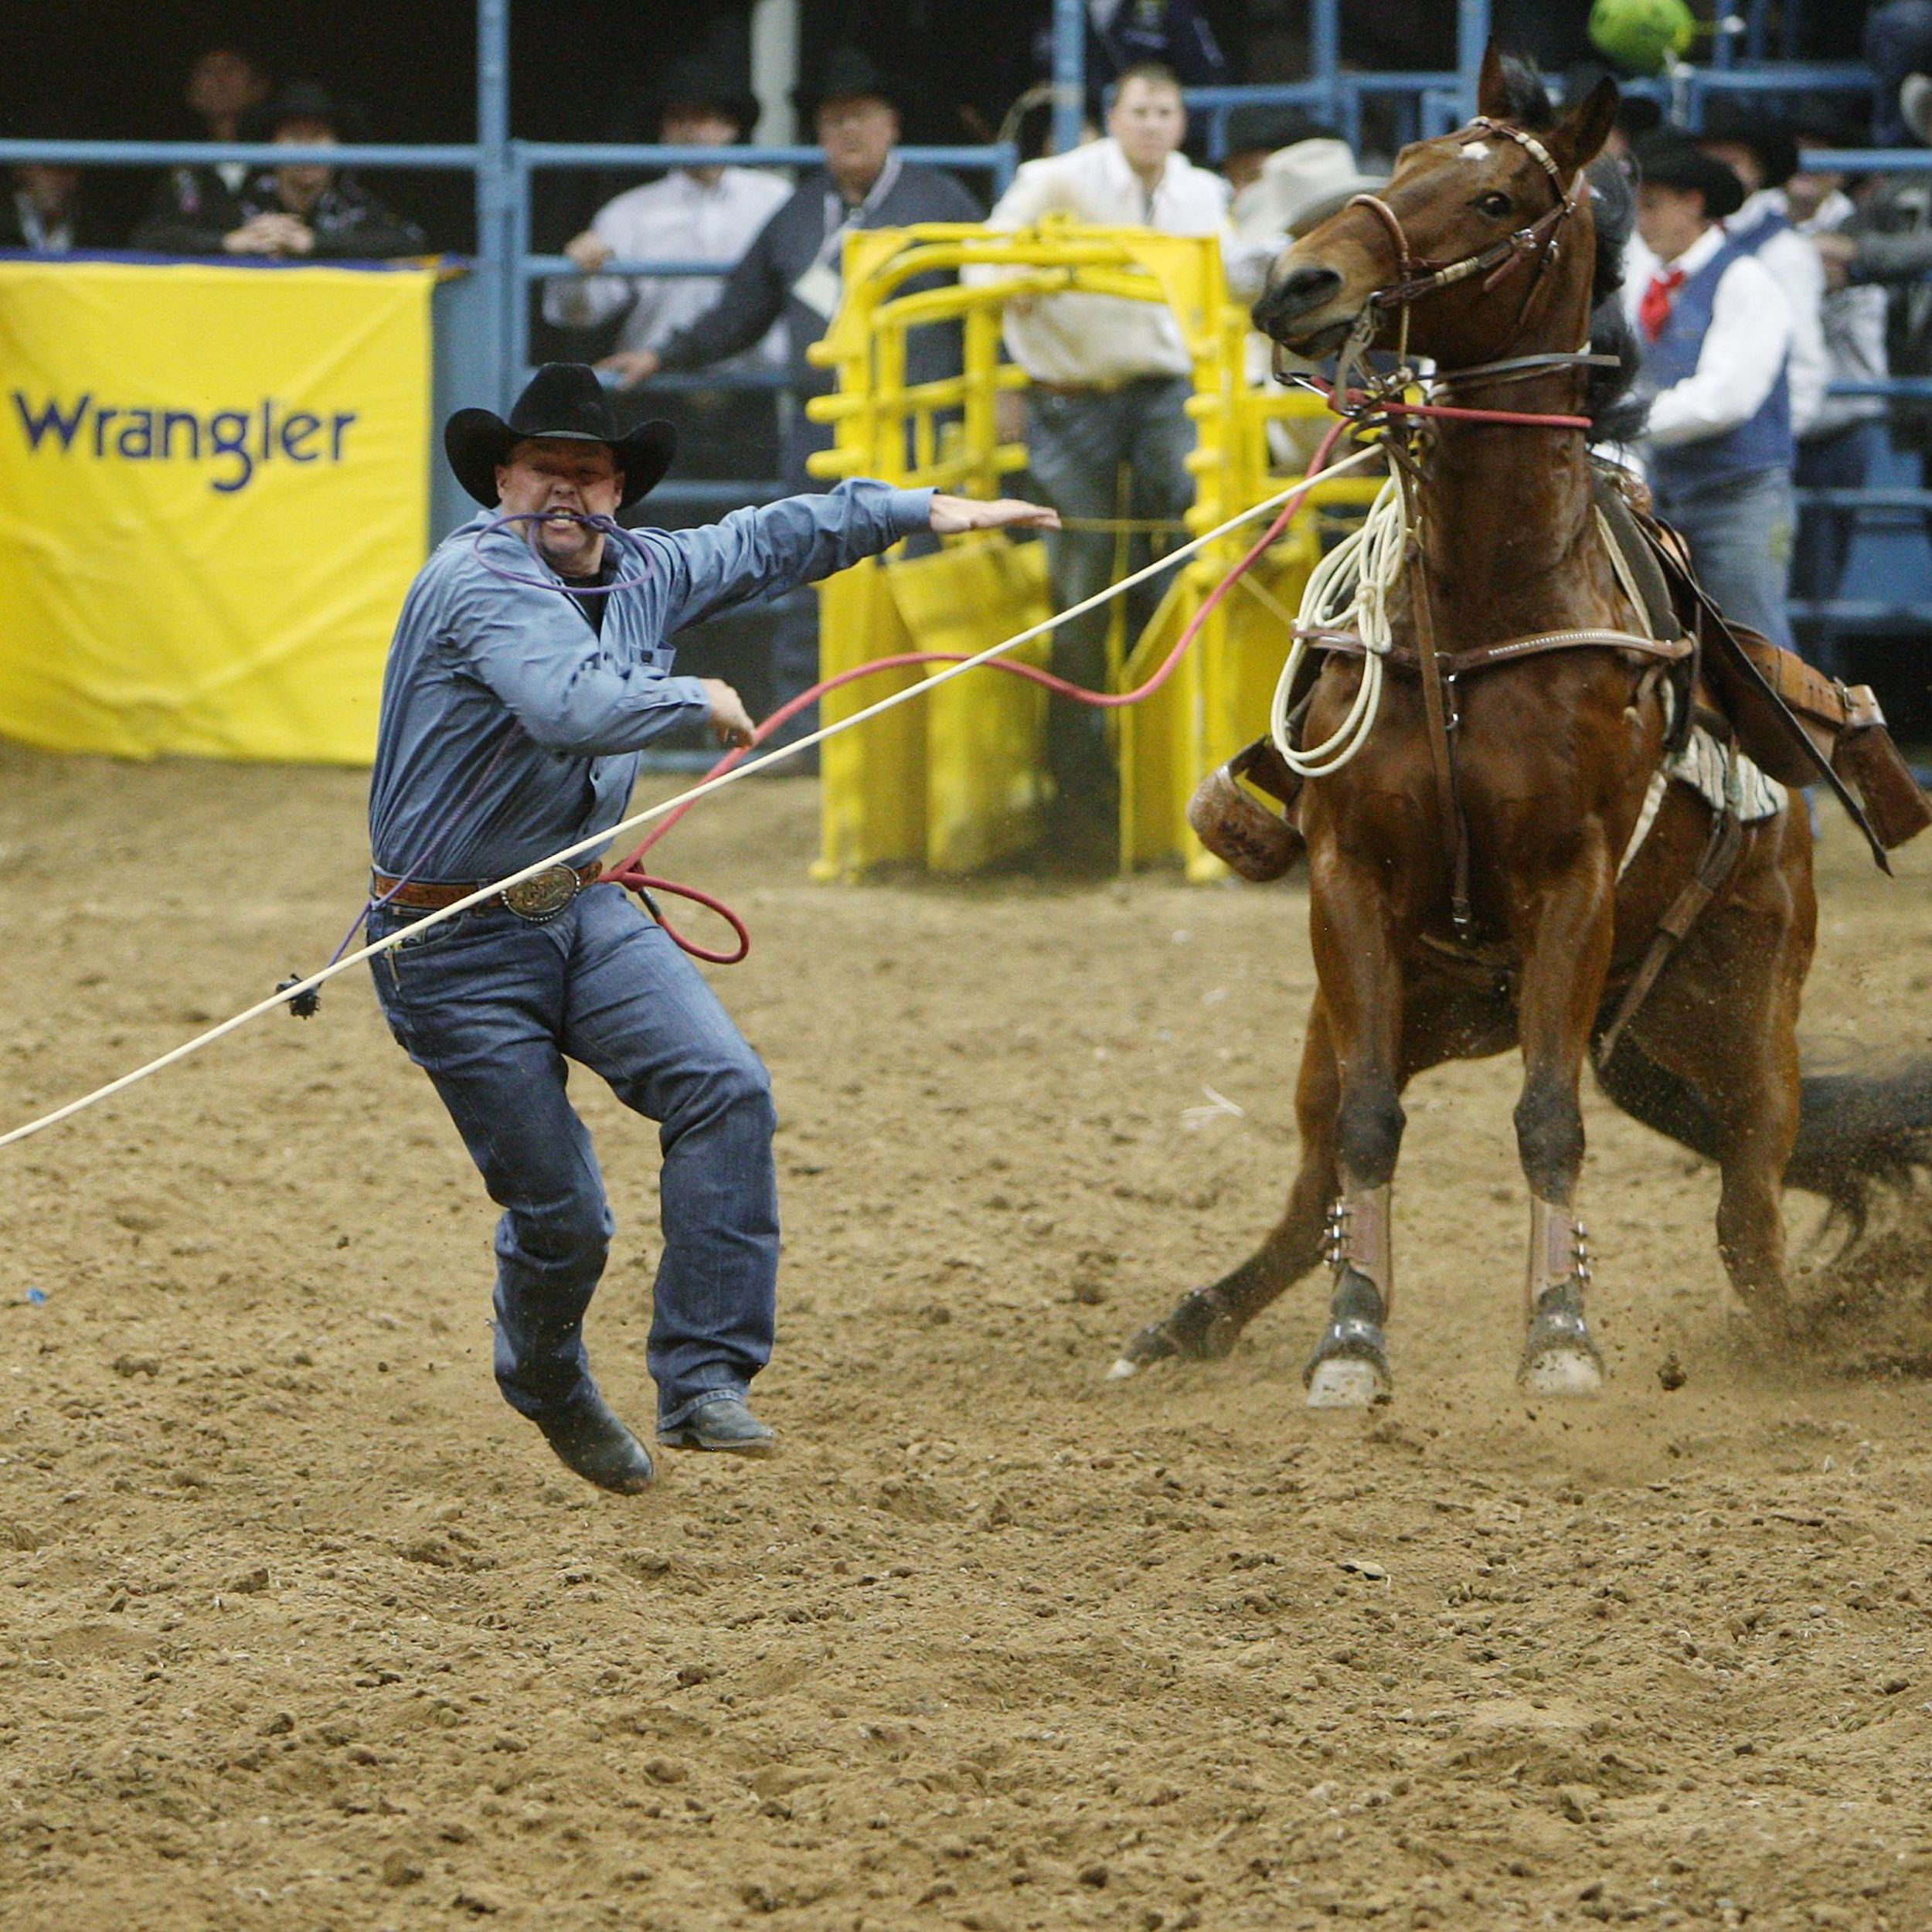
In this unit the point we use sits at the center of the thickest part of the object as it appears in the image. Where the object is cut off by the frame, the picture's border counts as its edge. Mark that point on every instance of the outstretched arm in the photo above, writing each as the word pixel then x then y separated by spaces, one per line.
pixel 801 539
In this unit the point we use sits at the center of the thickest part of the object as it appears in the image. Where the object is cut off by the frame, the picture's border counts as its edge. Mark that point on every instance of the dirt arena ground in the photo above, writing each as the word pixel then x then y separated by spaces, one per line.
pixel 301 1628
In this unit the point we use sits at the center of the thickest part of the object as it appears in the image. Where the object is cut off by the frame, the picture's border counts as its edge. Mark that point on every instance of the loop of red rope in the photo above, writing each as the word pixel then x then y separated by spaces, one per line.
pixel 630 872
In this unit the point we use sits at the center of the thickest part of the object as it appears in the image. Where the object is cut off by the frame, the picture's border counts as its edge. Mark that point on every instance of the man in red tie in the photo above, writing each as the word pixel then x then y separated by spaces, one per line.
pixel 1717 333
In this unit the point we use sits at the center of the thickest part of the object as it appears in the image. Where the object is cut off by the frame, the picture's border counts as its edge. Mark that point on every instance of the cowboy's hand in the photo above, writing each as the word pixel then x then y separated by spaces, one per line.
pixel 633 366
pixel 953 514
pixel 730 719
pixel 589 250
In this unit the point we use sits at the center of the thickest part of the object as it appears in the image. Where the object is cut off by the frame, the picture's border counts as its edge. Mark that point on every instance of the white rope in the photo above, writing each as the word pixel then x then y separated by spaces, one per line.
pixel 1363 570
pixel 283 995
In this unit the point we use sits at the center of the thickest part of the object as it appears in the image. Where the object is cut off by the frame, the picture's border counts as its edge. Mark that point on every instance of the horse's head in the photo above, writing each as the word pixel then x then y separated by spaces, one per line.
pixel 1473 229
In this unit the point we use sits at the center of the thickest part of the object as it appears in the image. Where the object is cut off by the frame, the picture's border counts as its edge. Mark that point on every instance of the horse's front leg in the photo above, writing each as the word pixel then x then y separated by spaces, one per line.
pixel 1564 933
pixel 1357 957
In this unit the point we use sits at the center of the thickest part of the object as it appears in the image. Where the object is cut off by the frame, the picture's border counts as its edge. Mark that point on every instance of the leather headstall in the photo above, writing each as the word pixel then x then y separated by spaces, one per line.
pixel 1421 276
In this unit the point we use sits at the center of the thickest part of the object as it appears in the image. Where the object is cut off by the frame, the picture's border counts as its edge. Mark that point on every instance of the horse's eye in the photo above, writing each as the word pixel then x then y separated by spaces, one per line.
pixel 1497 204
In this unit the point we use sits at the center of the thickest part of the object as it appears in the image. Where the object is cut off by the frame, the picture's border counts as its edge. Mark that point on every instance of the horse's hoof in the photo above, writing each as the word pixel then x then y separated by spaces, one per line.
pixel 1199 1326
pixel 1558 1358
pixel 1347 1382
pixel 1563 1371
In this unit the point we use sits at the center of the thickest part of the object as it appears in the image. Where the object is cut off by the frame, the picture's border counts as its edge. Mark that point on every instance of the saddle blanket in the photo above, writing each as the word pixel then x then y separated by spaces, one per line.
pixel 1715 773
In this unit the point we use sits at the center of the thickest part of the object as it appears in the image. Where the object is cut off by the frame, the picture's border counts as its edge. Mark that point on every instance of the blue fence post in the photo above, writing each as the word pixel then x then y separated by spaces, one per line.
pixel 495 190
pixel 1070 73
pixel 1472 41
pixel 1324 52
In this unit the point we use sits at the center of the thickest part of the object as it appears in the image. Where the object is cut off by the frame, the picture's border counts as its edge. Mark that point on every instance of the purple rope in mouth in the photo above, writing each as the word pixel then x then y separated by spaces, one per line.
pixel 604 525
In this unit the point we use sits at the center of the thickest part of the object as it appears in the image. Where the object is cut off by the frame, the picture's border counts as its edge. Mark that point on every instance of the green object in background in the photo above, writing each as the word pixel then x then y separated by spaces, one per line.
pixel 1640 35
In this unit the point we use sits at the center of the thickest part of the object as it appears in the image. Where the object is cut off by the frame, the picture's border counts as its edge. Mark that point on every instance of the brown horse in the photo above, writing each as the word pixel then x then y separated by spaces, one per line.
pixel 1529 935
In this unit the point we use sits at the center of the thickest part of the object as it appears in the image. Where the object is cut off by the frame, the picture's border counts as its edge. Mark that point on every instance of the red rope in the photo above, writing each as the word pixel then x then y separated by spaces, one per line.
pixel 1523 419
pixel 630 872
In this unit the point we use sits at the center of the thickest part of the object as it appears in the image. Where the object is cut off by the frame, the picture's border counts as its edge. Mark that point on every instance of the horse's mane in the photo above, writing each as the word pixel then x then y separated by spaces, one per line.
pixel 1614 417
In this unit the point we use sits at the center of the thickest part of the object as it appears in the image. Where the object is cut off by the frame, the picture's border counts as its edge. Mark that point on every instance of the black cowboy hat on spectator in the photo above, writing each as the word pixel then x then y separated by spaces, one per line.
pixel 1671 160
pixel 310 101
pixel 697 82
pixel 1772 141
pixel 564 402
pixel 850 73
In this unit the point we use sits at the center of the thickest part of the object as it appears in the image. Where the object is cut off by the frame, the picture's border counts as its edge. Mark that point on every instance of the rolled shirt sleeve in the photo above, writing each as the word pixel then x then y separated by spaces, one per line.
pixel 759 553
pixel 1744 349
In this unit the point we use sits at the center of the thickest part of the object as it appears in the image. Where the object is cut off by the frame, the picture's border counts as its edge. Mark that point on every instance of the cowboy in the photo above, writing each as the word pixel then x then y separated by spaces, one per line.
pixel 1716 335
pixel 531 662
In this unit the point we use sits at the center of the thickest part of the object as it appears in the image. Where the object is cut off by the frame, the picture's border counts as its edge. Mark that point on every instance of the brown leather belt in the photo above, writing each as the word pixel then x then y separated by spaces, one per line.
pixel 541 896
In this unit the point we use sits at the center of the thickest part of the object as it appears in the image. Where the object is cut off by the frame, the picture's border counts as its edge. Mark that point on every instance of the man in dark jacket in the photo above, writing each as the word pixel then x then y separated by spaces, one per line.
pixel 792 271
pixel 302 210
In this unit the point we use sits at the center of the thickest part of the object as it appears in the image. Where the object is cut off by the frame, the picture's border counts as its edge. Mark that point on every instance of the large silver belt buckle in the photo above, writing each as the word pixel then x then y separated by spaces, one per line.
pixel 543 895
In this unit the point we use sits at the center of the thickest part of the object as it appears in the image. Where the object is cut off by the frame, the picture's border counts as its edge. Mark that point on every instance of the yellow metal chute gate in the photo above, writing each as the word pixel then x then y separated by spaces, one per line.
pixel 957 783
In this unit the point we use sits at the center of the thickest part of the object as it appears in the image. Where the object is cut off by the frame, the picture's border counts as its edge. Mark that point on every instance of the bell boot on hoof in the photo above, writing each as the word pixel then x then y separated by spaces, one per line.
pixel 722 1423
pixel 590 1438
pixel 1350 1369
pixel 1560 1359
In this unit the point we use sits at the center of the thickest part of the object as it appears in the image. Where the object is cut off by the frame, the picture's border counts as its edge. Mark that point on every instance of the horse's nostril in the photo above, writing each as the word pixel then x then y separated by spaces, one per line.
pixel 1297 292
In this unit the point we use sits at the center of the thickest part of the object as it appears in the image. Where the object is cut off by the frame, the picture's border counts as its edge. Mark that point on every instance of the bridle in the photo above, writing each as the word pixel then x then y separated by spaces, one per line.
pixel 1421 276
pixel 1536 246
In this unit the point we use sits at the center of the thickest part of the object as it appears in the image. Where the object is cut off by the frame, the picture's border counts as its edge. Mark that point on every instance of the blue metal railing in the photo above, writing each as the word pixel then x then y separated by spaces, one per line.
pixel 1423 102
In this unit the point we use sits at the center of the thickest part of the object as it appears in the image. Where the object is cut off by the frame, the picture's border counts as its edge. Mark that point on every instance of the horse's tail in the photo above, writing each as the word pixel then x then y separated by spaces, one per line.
pixel 1860 1135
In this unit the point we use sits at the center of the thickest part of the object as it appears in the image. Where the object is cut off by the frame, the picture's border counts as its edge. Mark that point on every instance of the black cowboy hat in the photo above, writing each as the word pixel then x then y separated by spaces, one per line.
pixel 1772 141
pixel 847 74
pixel 565 402
pixel 697 82
pixel 1671 160
pixel 310 101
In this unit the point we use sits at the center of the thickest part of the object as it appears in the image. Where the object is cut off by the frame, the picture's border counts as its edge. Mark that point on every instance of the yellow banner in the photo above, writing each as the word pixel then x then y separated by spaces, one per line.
pixel 213 493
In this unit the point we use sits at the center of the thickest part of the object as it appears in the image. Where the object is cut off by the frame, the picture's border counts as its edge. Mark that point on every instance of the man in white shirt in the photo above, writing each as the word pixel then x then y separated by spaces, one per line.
pixel 1111 378
pixel 1763 154
pixel 693 214
pixel 1716 332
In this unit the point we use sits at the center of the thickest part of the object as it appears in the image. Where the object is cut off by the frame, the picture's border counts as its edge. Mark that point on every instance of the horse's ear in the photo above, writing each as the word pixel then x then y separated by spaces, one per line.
pixel 1492 90
pixel 1578 138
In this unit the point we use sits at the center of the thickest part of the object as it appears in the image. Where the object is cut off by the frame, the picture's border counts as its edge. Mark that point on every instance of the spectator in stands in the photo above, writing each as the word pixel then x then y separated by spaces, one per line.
pixel 43 206
pixel 1763 154
pixel 44 212
pixel 791 271
pixel 692 214
pixel 1111 378
pixel 1717 333
pixel 226 88
pixel 1125 34
pixel 1844 444
pixel 303 209
pixel 1898 45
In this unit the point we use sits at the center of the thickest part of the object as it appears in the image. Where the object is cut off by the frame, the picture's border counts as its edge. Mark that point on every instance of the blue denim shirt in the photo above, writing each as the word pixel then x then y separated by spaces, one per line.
pixel 510 728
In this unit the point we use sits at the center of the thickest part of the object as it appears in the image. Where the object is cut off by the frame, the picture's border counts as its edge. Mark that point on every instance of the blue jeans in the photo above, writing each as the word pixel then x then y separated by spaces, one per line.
pixel 489 1005
pixel 1739 533
pixel 1077 445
